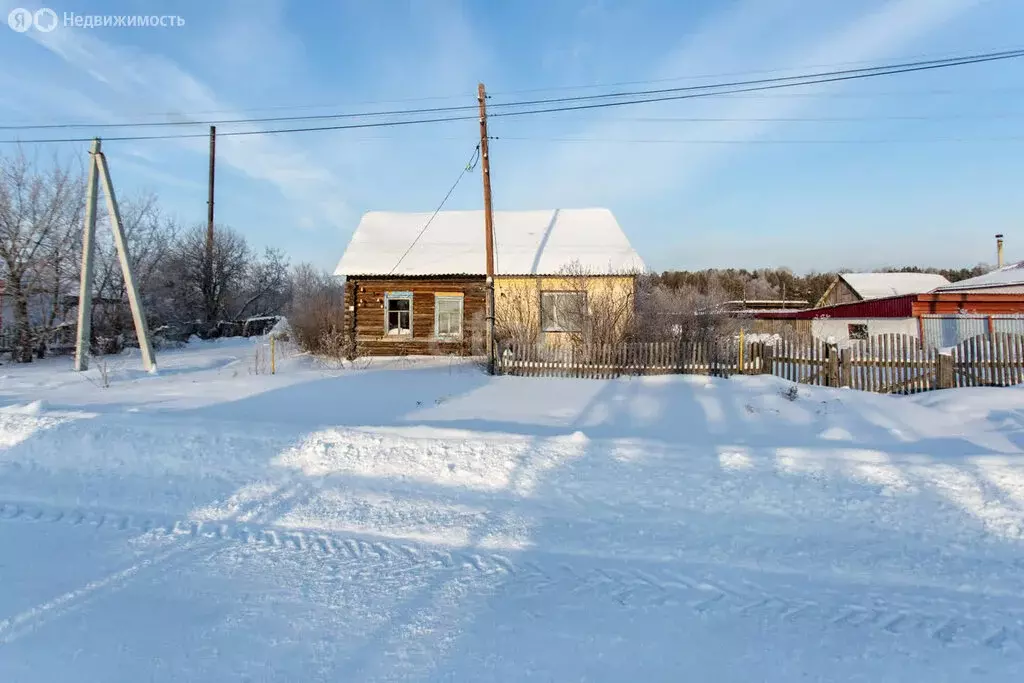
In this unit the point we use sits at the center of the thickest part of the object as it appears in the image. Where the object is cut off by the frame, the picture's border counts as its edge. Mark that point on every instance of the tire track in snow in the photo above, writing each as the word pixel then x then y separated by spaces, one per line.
pixel 259 535
pixel 31 619
pixel 668 588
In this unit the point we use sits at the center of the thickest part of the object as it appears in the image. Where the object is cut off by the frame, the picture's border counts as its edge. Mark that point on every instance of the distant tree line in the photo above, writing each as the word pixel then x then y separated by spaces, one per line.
pixel 41 217
pixel 724 284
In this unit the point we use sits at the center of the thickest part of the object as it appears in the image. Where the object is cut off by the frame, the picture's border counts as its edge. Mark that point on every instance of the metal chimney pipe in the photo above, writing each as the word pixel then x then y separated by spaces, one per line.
pixel 999 251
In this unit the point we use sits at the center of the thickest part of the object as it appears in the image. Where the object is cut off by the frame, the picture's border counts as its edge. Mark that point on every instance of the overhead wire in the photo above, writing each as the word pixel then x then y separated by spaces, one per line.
pixel 739 141
pixel 236 133
pixel 762 87
pixel 816 119
pixel 470 165
pixel 670 94
pixel 501 93
pixel 187 117
pixel 786 80
pixel 780 81
pixel 727 74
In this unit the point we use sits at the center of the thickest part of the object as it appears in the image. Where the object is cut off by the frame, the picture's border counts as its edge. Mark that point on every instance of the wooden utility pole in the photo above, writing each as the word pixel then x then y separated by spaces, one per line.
pixel 485 157
pixel 84 332
pixel 208 265
pixel 98 167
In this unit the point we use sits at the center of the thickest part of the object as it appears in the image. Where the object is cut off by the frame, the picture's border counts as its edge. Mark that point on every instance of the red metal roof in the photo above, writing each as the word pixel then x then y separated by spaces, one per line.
pixel 889 307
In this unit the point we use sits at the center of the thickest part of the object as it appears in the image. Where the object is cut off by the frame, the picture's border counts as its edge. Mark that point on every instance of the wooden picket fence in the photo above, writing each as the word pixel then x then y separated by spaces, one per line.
pixel 989 360
pixel 606 361
pixel 889 364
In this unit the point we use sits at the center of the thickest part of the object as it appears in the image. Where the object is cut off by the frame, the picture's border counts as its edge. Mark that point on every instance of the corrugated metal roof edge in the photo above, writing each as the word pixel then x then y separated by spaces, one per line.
pixel 952 288
pixel 900 306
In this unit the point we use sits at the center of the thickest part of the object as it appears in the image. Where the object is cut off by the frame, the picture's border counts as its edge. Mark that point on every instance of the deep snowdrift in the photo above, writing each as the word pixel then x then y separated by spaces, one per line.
pixel 417 519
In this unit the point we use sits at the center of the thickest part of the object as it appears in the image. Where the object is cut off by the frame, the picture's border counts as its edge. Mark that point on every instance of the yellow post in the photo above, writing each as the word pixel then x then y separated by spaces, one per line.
pixel 273 366
pixel 741 368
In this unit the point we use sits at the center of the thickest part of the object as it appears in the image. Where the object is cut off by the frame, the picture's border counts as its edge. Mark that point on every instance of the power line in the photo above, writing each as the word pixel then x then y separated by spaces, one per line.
pixel 562 88
pixel 687 93
pixel 225 122
pixel 919 56
pixel 787 80
pixel 804 79
pixel 815 119
pixel 786 141
pixel 881 93
pixel 769 86
pixel 470 165
pixel 236 133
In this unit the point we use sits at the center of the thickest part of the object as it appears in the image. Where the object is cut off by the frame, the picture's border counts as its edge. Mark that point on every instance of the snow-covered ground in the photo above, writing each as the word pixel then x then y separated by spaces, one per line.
pixel 418 520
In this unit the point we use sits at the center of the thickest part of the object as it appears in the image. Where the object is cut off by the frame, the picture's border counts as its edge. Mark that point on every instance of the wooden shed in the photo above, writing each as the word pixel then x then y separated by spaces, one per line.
pixel 850 288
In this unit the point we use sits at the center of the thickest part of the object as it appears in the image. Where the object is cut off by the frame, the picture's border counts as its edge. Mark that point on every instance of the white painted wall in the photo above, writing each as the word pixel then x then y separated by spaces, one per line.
pixel 823 328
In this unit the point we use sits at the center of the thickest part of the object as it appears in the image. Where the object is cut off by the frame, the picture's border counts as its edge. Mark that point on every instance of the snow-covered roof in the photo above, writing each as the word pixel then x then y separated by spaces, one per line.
pixel 878 285
pixel 526 243
pixel 1008 275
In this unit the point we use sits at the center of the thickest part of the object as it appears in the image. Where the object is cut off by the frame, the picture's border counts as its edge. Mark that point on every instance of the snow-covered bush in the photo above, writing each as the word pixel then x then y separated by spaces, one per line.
pixel 317 315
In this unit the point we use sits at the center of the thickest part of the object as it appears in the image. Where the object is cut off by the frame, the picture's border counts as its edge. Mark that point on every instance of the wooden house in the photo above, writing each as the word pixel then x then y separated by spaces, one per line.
pixel 415 282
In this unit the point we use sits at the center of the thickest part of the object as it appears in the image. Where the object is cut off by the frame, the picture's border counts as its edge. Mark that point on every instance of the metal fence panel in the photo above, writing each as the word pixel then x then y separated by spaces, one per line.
pixel 945 331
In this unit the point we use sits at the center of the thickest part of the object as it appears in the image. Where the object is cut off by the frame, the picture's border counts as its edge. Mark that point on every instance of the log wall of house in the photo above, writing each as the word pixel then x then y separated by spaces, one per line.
pixel 364 304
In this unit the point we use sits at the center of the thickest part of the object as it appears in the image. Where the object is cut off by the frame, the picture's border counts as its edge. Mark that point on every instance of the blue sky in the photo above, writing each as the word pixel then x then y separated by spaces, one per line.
pixel 928 191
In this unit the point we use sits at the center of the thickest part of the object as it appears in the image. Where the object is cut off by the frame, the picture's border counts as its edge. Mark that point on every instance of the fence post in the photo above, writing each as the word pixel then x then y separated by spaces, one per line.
pixel 767 353
pixel 832 365
pixel 740 369
pixel 944 371
pixel 846 367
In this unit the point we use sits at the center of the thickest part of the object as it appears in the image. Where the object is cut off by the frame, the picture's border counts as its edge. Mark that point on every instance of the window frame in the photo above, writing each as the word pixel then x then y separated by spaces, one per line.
pixel 850 334
pixel 562 292
pixel 397 296
pixel 461 298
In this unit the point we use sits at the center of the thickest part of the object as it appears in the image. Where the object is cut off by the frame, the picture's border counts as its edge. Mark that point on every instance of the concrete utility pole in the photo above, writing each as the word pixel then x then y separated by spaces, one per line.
pixel 88 250
pixel 208 266
pixel 98 166
pixel 485 157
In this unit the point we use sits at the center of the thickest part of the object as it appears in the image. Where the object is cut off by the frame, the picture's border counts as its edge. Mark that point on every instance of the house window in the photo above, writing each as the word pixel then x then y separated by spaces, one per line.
pixel 398 313
pixel 857 331
pixel 562 311
pixel 448 315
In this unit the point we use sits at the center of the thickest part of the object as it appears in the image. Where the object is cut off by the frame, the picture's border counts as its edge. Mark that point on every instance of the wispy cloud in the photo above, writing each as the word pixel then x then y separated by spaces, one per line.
pixel 128 75
pixel 579 174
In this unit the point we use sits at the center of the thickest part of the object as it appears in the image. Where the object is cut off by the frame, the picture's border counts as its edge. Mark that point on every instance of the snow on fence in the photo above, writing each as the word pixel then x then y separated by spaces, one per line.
pixel 890 363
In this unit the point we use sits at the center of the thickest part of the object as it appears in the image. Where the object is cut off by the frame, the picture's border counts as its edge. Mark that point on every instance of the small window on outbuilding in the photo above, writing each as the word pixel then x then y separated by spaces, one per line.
pixel 857 331
pixel 448 316
pixel 562 311
pixel 398 313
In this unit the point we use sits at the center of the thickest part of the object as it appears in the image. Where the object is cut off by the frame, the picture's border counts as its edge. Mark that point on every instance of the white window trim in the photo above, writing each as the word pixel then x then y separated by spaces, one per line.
pixel 388 296
pixel 462 315
pixel 540 311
